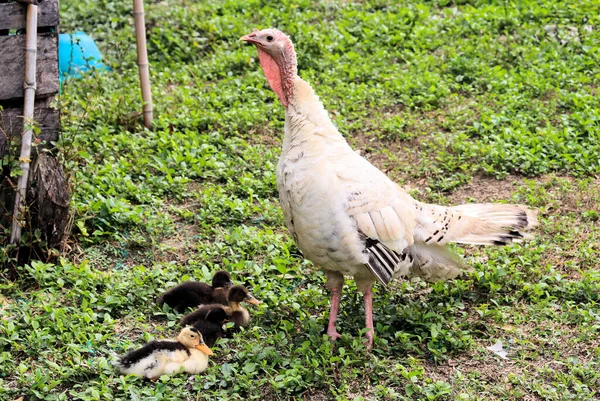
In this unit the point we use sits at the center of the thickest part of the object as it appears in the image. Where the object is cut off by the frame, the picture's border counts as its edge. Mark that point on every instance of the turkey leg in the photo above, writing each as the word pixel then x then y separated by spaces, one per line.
pixel 368 298
pixel 336 294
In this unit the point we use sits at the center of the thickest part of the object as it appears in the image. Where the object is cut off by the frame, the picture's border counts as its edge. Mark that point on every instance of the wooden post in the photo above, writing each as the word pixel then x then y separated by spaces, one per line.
pixel 44 197
pixel 29 94
pixel 142 52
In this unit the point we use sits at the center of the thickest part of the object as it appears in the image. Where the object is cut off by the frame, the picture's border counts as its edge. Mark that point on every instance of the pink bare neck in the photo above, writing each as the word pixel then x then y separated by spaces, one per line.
pixel 280 71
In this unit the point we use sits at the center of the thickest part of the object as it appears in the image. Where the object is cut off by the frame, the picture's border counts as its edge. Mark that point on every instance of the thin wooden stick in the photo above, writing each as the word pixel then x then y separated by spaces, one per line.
pixel 142 52
pixel 28 108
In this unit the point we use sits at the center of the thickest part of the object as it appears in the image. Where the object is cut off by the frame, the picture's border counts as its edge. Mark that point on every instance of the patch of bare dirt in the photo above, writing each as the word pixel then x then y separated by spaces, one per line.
pixel 265 135
pixel 564 204
pixel 181 244
pixel 538 345
pixel 490 373
pixel 564 192
pixel 394 158
pixel 314 396
pixel 486 189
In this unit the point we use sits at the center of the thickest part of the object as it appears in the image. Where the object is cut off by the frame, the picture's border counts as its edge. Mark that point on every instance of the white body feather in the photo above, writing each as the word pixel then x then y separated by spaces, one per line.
pixel 151 366
pixel 328 193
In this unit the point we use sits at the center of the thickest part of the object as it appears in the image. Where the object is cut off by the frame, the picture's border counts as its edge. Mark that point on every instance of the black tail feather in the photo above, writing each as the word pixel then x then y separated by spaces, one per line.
pixel 382 260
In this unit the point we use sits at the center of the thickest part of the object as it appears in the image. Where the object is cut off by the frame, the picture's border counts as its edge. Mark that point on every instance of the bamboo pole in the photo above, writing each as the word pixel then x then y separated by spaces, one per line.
pixel 28 108
pixel 142 53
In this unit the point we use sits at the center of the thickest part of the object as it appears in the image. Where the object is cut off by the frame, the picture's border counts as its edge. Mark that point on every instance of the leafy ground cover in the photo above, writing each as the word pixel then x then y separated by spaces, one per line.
pixel 462 101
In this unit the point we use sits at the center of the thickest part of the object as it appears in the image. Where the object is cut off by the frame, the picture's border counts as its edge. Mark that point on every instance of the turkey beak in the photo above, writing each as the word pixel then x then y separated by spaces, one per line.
pixel 250 299
pixel 204 348
pixel 250 38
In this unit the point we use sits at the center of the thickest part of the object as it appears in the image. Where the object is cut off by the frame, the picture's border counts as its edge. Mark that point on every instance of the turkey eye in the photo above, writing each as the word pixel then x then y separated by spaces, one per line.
pixel 269 38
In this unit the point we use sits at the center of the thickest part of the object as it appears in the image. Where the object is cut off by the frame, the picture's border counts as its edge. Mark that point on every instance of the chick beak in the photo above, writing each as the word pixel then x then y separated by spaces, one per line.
pixel 204 348
pixel 250 299
pixel 229 284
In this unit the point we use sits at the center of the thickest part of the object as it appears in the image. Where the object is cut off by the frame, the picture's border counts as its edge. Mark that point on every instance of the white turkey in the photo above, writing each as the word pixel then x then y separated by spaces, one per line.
pixel 347 216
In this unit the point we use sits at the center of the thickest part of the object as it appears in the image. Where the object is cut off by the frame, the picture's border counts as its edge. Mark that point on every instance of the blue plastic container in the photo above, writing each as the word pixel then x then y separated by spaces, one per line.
pixel 77 53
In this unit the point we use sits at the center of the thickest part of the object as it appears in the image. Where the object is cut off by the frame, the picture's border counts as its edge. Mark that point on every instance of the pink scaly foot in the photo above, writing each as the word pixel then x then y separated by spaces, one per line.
pixel 336 294
pixel 368 298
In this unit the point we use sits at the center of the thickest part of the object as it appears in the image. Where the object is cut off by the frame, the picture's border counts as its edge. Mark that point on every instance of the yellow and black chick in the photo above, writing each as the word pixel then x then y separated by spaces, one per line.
pixel 193 293
pixel 188 354
pixel 236 312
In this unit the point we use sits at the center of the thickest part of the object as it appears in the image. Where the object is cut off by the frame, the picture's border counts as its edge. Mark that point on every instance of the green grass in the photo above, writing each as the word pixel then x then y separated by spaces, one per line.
pixel 463 101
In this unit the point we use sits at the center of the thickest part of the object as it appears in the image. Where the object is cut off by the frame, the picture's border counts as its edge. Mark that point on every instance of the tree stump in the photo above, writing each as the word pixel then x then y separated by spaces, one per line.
pixel 49 193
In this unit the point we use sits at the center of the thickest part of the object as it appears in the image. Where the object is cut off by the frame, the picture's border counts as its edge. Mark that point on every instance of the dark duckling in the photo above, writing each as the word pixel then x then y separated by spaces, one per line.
pixel 193 293
pixel 237 313
pixel 211 325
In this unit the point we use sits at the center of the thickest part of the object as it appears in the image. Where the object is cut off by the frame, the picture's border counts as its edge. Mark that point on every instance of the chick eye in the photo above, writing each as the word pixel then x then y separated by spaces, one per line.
pixel 269 38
